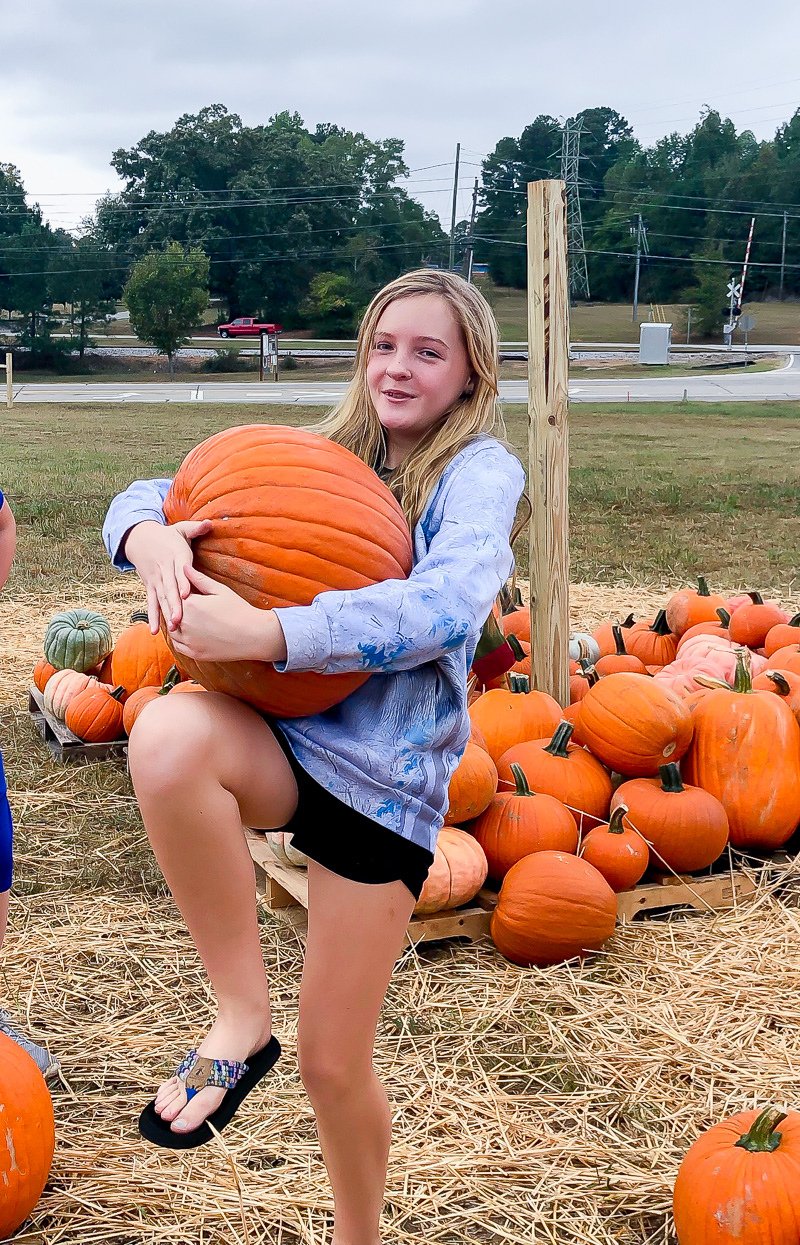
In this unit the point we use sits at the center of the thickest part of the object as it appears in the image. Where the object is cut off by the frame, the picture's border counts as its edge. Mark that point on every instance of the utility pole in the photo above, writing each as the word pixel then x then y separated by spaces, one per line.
pixel 640 233
pixel 472 229
pixel 783 252
pixel 570 174
pixel 452 262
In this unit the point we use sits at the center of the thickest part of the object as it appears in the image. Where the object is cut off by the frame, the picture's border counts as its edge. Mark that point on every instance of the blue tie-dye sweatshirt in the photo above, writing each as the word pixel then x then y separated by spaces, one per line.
pixel 390 748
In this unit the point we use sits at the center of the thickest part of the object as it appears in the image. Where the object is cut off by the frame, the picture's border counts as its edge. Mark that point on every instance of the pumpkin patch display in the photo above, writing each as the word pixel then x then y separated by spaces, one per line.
pixel 140 659
pixel 552 907
pixel 458 872
pixel 739 1183
pixel 77 640
pixel 518 822
pixel 96 714
pixel 293 515
pixel 634 725
pixel 686 826
pixel 472 785
pixel 508 718
pixel 563 770
pixel 617 851
pixel 27 1136
pixel 745 750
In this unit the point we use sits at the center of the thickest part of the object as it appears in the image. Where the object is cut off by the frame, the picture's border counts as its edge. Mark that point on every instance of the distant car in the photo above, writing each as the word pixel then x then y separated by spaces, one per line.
pixel 246 326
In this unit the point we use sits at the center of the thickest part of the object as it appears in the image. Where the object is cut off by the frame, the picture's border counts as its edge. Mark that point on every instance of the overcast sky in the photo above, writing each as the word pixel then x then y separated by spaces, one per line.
pixel 81 78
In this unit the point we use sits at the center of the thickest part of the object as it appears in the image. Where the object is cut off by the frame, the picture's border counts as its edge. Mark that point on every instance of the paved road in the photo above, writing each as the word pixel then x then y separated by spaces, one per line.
pixel 776 386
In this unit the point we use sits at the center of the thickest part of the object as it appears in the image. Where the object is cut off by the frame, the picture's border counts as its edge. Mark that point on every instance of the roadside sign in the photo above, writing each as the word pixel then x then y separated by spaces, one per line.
pixel 747 324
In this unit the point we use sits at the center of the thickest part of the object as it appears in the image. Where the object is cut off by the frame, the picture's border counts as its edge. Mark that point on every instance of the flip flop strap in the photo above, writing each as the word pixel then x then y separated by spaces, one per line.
pixel 196 1072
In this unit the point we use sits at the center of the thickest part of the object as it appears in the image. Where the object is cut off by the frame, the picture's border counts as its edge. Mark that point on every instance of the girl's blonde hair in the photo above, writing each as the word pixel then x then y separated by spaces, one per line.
pixel 354 421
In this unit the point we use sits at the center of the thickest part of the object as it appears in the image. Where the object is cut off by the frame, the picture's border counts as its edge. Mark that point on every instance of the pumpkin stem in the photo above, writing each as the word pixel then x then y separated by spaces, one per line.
pixel 616 819
pixel 628 622
pixel 521 781
pixel 515 646
pixel 660 626
pixel 763 1136
pixel 702 587
pixel 172 680
pixel 519 683
pixel 139 616
pixel 743 681
pixel 794 622
pixel 616 631
pixel 756 598
pixel 670 778
pixel 561 737
pixel 725 618
pixel 589 673
pixel 117 693
pixel 781 682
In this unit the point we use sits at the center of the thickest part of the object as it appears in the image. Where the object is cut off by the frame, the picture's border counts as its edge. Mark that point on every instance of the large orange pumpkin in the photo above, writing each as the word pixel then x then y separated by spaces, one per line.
pixel 687 827
pixel 518 822
pixel 508 718
pixel 458 872
pixel 139 658
pixel 739 1184
pixel 552 907
pixel 746 752
pixel 293 515
pixel 27 1135
pixel 633 724
pixel 472 786
pixel 560 768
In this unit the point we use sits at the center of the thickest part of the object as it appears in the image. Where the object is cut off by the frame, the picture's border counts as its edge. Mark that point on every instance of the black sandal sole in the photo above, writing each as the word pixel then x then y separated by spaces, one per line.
pixel 156 1130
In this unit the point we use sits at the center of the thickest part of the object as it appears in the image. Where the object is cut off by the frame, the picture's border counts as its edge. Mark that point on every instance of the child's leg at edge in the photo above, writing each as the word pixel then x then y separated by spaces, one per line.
pixel 201 766
pixel 4 897
pixel 355 934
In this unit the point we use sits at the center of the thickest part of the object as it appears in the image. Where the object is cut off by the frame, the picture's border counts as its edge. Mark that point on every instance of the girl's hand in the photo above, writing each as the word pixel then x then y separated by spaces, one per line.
pixel 162 555
pixel 219 625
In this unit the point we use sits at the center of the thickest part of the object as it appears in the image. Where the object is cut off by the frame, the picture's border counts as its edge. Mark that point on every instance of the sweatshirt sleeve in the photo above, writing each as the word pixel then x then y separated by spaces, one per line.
pixel 144 499
pixel 403 623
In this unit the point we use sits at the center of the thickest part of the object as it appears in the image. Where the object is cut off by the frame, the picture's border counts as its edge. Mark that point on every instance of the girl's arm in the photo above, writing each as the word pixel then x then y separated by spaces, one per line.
pixel 8 539
pixel 400 624
pixel 142 502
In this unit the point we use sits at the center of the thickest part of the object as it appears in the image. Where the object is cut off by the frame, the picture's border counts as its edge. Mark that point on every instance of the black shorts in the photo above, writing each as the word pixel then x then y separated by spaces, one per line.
pixel 347 842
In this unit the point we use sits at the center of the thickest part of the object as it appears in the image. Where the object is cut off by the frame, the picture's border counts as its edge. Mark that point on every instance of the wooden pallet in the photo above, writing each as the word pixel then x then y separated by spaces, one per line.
pixel 285 889
pixel 60 740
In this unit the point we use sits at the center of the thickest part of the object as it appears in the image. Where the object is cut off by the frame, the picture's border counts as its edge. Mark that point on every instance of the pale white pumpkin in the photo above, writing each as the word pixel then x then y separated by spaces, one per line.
pixel 61 688
pixel 583 647
pixel 280 844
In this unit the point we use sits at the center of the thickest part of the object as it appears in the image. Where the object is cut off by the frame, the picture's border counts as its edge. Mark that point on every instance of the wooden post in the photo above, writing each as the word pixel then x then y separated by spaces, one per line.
pixel 9 367
pixel 548 443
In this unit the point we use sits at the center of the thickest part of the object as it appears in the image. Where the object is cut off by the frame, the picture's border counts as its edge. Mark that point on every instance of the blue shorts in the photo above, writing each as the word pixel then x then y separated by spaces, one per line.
pixel 5 834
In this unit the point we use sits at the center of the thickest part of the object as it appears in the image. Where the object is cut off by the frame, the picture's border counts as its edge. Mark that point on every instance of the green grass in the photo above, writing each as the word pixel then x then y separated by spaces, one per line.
pixel 656 491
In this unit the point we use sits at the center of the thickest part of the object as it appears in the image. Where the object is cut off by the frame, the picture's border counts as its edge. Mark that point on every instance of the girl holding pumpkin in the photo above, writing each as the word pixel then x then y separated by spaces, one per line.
pixel 45 1063
pixel 362 786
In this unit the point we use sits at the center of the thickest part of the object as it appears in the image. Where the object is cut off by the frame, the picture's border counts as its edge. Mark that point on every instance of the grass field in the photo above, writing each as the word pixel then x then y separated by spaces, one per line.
pixel 528 1106
pixel 658 493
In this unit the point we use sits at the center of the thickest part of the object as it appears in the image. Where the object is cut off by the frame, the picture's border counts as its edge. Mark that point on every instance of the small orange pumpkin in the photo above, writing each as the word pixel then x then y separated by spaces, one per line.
pixel 508 718
pixel 617 851
pixel 687 608
pixel 719 630
pixel 458 872
pixel 552 907
pixel 42 672
pixel 619 660
pixel 95 714
pixel 782 635
pixel 604 635
pixel 752 623
pixel 739 1183
pixel 61 688
pixel 518 822
pixel 653 644
pixel 784 684
pixel 472 786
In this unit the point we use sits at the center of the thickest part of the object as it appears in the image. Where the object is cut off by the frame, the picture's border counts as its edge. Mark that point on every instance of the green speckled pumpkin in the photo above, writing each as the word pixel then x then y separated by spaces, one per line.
pixel 77 640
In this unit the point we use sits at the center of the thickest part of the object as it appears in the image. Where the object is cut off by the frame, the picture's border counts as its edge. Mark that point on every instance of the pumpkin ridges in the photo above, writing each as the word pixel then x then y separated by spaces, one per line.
pixel 633 724
pixel 577 779
pixel 458 872
pixel 506 718
pixel 472 785
pixel 517 823
pixel 96 714
pixel 687 826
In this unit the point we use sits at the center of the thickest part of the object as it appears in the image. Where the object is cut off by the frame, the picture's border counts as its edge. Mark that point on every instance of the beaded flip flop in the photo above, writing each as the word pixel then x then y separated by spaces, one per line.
pixel 196 1072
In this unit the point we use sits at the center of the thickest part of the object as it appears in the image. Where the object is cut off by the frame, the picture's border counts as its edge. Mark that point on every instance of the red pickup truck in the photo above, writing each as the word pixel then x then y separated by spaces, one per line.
pixel 246 326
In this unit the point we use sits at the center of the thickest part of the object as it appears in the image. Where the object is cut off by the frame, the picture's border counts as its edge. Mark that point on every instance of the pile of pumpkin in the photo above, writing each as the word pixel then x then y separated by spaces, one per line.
pixel 682 735
pixel 96 687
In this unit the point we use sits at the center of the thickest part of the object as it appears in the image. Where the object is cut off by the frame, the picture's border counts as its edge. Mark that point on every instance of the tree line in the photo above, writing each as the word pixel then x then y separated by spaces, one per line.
pixel 304 225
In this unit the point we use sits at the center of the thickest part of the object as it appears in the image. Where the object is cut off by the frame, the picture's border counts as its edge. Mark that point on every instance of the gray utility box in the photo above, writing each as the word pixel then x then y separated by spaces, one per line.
pixel 654 343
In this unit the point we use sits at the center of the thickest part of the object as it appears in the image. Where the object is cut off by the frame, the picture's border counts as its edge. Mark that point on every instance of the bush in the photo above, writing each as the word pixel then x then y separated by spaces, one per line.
pixel 224 360
pixel 42 352
pixel 288 363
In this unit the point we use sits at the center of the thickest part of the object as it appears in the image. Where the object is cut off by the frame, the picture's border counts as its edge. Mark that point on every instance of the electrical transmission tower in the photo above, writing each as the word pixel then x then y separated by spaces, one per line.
pixel 570 173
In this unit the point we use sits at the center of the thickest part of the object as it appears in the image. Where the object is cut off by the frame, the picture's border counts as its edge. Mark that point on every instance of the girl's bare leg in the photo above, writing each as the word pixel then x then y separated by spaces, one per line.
pixel 201 766
pixel 4 897
pixel 355 934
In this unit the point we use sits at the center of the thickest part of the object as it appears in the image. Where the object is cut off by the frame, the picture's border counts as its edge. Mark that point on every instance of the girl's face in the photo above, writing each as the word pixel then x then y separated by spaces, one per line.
pixel 417 368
